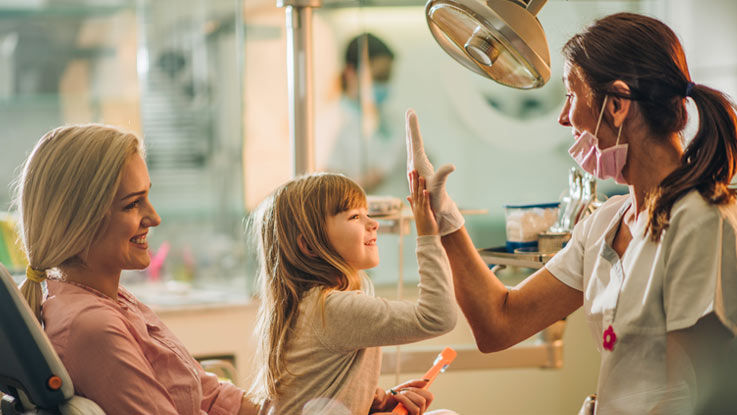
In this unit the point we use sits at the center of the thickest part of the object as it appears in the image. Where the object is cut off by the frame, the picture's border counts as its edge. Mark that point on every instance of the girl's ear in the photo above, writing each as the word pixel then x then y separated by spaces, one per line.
pixel 619 107
pixel 304 247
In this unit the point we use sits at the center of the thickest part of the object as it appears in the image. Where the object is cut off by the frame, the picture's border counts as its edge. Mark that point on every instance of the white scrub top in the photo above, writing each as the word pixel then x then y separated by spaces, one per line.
pixel 356 155
pixel 632 302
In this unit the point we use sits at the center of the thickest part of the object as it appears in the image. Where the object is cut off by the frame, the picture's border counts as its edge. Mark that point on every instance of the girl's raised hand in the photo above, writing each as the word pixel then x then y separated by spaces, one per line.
pixel 419 200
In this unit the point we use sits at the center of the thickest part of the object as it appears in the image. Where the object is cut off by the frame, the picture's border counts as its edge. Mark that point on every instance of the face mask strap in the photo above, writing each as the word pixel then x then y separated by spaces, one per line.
pixel 620 132
pixel 601 114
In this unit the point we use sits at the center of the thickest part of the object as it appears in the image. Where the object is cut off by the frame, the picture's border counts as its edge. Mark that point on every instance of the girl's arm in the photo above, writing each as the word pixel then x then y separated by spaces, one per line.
pixel 355 320
pixel 501 317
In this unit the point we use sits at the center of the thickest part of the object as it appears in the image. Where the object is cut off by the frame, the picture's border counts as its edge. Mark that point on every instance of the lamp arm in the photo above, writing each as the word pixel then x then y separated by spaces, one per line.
pixel 534 6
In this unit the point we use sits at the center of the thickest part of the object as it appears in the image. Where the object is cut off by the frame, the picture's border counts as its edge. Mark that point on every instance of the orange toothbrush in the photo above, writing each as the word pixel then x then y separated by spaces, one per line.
pixel 441 363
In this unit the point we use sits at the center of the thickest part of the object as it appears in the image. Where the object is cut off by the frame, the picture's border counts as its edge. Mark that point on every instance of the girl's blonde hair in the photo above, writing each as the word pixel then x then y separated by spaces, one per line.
pixel 298 209
pixel 64 194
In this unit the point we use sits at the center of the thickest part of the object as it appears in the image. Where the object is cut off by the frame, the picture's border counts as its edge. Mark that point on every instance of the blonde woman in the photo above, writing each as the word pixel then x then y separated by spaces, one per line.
pixel 319 322
pixel 85 216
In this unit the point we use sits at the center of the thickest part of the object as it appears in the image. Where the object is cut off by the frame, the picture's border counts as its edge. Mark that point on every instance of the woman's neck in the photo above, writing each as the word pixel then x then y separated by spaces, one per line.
pixel 649 164
pixel 104 282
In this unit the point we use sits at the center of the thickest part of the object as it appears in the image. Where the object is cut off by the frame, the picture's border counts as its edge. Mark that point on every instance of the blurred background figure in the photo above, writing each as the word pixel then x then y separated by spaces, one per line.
pixel 369 143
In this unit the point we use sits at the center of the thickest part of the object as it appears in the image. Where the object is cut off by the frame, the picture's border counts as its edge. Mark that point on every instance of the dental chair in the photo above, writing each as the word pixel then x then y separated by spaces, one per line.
pixel 32 378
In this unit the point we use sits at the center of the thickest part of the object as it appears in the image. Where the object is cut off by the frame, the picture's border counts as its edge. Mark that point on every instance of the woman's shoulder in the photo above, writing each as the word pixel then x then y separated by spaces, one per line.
pixel 79 313
pixel 74 298
pixel 605 213
pixel 613 204
pixel 692 210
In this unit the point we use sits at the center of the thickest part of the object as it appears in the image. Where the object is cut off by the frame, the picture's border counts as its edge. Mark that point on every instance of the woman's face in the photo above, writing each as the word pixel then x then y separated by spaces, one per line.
pixel 122 244
pixel 579 111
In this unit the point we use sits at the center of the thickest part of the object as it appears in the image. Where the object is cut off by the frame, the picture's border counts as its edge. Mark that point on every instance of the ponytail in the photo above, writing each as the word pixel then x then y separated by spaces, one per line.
pixel 31 289
pixel 707 164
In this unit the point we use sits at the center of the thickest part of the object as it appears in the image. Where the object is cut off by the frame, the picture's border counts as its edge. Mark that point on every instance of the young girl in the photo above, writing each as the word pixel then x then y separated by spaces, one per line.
pixel 320 325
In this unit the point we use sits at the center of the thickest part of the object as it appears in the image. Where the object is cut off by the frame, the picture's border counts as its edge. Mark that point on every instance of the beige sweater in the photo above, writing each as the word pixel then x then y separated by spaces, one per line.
pixel 336 365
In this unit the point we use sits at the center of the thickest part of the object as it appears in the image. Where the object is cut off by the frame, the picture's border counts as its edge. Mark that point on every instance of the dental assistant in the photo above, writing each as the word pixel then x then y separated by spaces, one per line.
pixel 654 270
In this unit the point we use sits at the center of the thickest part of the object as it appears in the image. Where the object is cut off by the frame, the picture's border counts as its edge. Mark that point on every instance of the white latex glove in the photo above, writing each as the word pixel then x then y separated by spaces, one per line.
pixel 446 212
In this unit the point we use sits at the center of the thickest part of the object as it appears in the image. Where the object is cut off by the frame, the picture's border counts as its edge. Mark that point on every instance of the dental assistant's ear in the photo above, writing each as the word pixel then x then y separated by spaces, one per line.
pixel 304 247
pixel 619 107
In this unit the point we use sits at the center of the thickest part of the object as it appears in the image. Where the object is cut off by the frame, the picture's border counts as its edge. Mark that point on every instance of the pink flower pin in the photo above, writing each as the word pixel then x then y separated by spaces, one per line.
pixel 609 338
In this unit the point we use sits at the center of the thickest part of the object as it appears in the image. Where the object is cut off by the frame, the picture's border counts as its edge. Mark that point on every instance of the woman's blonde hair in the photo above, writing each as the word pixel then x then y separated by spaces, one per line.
pixel 64 194
pixel 298 209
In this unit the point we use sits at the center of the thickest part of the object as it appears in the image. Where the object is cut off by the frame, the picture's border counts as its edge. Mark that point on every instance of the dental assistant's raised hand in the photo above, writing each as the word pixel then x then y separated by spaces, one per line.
pixel 419 200
pixel 448 216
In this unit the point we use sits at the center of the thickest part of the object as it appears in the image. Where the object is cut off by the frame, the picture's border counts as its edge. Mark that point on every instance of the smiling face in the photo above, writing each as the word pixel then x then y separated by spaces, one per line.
pixel 122 244
pixel 352 234
pixel 579 111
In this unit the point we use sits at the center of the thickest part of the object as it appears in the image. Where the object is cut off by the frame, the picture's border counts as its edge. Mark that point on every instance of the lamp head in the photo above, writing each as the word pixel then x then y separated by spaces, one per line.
pixel 498 39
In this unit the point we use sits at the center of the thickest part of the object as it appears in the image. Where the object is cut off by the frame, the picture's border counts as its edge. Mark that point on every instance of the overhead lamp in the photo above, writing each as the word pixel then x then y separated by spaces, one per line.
pixel 498 39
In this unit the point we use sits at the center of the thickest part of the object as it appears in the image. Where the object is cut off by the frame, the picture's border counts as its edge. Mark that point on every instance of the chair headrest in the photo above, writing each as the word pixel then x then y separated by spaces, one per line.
pixel 28 362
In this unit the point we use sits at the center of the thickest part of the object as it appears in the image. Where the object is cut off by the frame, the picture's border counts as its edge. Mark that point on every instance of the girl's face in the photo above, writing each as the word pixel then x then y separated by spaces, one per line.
pixel 352 234
pixel 123 243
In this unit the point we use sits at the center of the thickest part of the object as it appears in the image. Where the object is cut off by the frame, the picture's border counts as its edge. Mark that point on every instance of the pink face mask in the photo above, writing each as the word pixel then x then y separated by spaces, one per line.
pixel 604 164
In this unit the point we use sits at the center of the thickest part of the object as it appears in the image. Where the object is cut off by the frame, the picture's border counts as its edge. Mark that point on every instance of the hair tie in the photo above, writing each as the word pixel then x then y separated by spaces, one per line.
pixel 689 88
pixel 35 275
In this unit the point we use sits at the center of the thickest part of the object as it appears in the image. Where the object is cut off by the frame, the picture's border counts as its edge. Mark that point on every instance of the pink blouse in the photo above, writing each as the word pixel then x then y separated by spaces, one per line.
pixel 120 355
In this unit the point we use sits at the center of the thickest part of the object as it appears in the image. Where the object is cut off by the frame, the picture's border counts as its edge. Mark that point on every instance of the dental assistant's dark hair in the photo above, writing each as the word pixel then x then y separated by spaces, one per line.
pixel 376 48
pixel 645 54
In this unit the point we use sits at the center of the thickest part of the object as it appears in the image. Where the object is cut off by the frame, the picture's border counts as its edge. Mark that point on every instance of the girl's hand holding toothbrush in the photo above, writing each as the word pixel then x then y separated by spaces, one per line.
pixel 410 394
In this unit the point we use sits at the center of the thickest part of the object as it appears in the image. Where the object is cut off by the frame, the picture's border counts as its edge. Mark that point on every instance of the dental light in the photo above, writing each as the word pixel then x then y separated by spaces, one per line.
pixel 498 39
